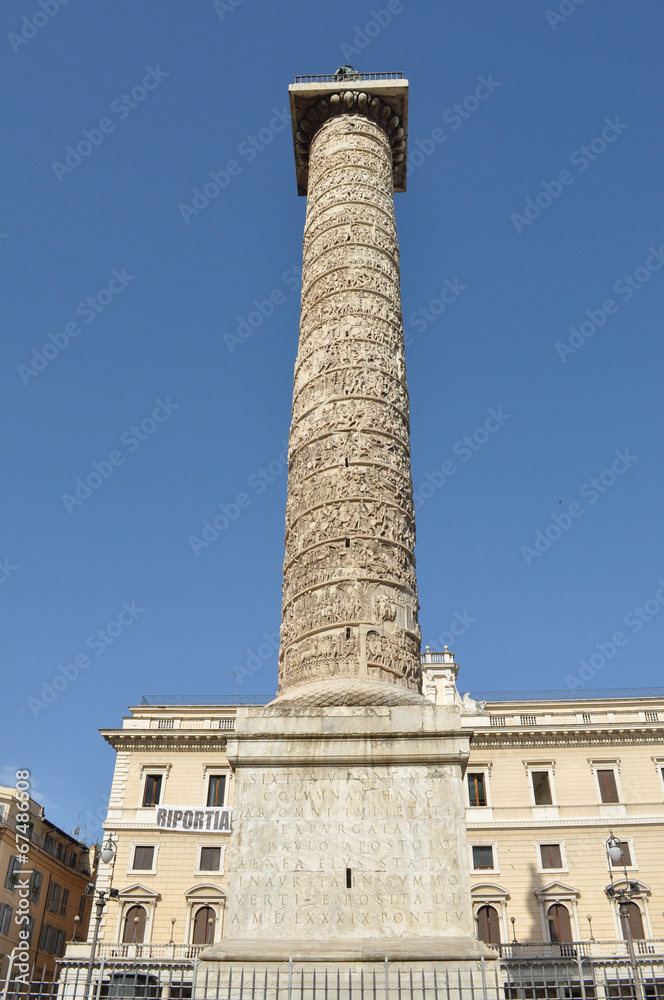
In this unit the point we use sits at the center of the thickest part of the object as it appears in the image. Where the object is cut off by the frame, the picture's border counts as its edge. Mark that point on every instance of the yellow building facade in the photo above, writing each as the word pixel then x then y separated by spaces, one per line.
pixel 547 782
pixel 44 874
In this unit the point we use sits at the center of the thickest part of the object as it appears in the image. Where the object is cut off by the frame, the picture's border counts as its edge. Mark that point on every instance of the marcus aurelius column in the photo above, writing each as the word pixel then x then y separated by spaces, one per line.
pixel 349 842
pixel 349 623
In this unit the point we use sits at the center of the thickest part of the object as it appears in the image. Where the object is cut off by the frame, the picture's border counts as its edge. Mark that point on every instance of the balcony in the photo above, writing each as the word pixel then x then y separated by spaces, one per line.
pixel 650 948
pixel 80 952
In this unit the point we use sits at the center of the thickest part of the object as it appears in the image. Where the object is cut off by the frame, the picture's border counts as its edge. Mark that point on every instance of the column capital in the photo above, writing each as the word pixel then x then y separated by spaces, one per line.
pixel 382 101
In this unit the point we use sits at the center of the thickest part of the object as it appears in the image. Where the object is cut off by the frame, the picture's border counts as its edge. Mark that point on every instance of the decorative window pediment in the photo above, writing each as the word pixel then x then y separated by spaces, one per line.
pixel 557 890
pixel 204 892
pixel 138 891
pixel 489 890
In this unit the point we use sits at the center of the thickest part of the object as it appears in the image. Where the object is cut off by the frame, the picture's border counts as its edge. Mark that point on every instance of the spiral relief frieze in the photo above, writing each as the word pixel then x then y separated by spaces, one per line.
pixel 350 591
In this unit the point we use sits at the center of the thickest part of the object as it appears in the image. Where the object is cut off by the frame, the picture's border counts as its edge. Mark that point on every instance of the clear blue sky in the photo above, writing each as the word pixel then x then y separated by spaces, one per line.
pixel 170 92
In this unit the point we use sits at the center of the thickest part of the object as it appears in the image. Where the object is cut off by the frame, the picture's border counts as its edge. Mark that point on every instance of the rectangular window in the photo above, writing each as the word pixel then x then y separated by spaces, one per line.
pixel 152 792
pixel 551 856
pixel 210 859
pixel 482 856
pixel 81 905
pixel 52 940
pixel 34 891
pixel 13 870
pixel 49 844
pixel 6 912
pixel 216 789
pixel 63 902
pixel 626 859
pixel 53 901
pixel 541 788
pixel 476 789
pixel 29 927
pixel 143 859
pixel 608 788
pixel 47 939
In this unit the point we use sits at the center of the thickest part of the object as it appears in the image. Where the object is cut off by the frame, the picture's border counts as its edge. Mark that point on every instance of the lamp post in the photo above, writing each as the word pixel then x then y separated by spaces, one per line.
pixel 107 854
pixel 101 903
pixel 590 926
pixel 623 897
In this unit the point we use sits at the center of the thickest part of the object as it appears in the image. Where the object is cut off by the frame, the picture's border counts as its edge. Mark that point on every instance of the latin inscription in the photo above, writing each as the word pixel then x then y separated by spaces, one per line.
pixel 392 832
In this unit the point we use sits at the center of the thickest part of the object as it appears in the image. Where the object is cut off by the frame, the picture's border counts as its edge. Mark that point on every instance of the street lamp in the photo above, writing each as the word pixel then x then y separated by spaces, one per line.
pixel 107 850
pixel 107 855
pixel 623 897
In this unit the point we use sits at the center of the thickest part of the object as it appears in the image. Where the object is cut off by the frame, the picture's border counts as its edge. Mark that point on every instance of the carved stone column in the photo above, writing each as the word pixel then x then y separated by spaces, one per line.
pixel 349 842
pixel 349 622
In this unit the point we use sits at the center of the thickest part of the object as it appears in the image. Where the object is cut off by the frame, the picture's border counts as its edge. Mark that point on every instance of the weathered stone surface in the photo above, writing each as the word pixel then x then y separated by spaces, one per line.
pixel 350 592
pixel 349 835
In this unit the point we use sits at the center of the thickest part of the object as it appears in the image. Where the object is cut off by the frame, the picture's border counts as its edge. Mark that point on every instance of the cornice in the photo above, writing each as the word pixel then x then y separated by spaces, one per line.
pixel 632 735
pixel 141 740
pixel 561 823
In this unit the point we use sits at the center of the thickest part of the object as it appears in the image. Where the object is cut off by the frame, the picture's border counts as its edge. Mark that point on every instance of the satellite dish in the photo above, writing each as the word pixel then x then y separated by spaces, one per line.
pixel 77 831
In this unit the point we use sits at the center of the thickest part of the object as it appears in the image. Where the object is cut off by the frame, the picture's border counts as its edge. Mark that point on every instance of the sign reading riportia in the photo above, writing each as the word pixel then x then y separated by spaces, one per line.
pixel 214 820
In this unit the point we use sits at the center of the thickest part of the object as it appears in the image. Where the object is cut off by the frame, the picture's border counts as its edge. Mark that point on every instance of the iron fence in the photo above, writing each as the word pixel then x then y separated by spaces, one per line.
pixel 351 78
pixel 566 978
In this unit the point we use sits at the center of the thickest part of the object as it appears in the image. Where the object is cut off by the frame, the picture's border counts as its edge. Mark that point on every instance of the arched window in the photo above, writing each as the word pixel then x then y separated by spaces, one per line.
pixel 134 925
pixel 204 926
pixel 488 925
pixel 633 915
pixel 560 928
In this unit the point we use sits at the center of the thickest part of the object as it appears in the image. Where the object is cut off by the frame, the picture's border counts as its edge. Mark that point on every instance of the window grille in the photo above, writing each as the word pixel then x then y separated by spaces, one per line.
pixel 497 720
pixel 528 720
pixel 652 716
pixel 165 724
